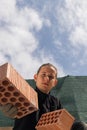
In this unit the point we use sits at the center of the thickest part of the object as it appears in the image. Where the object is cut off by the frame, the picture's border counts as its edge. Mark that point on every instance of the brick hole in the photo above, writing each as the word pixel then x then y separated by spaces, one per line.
pixel 22 108
pixel 12 99
pixel 18 104
pixel 26 112
pixel 5 82
pixel 7 94
pixel 55 120
pixel 48 122
pixel 10 88
pixel 0 94
pixel 31 108
pixel 51 121
pixel 49 118
pixel 4 100
pixel 41 120
pixel 26 104
pixel 44 119
pixel 43 123
pixel 19 114
pixel 21 99
pixel 48 115
pixel 40 123
pixel 56 113
pixel 45 116
pixel 2 89
pixel 42 116
pixel 16 94
pixel 52 114
pixel 60 112
pixel 57 116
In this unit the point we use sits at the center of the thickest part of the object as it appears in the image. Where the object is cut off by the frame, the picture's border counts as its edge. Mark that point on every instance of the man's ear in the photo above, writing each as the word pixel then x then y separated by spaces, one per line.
pixel 56 82
pixel 35 77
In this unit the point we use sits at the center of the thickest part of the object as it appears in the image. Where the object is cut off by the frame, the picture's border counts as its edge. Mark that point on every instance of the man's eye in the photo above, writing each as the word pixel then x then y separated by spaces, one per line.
pixel 51 77
pixel 43 75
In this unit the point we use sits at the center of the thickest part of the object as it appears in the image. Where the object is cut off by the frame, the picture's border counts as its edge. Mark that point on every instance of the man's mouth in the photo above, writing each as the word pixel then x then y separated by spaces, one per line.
pixel 45 84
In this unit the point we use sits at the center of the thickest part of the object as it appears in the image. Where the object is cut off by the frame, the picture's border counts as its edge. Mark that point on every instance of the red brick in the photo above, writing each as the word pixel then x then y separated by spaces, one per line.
pixel 55 120
pixel 15 90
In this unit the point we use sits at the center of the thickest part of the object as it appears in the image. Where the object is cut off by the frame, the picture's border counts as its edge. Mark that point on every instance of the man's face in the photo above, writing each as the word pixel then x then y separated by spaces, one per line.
pixel 46 79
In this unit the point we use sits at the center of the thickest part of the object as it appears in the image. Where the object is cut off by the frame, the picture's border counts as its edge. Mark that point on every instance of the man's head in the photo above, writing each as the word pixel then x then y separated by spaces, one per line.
pixel 46 77
pixel 79 125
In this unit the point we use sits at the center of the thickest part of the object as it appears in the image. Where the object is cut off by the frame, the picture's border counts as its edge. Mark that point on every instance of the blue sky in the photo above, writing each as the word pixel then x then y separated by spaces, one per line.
pixel 33 32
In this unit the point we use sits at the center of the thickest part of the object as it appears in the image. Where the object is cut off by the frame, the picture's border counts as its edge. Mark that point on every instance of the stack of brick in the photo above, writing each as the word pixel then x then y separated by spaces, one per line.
pixel 15 90
pixel 55 120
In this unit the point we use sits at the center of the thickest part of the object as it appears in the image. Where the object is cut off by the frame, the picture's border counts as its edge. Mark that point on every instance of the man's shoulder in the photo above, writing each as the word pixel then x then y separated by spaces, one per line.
pixel 55 103
pixel 52 97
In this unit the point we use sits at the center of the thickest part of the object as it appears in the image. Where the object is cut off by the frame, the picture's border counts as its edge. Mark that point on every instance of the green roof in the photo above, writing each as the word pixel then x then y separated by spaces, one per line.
pixel 72 91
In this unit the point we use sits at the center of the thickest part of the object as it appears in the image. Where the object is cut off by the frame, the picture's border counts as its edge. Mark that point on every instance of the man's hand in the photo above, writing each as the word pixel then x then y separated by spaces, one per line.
pixel 9 110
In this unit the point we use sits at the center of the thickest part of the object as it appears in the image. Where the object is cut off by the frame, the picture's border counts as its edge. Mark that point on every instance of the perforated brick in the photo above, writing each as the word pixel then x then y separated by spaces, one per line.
pixel 55 120
pixel 15 90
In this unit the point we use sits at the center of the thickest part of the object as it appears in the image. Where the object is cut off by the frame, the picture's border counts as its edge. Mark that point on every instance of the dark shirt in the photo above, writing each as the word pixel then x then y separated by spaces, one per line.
pixel 46 102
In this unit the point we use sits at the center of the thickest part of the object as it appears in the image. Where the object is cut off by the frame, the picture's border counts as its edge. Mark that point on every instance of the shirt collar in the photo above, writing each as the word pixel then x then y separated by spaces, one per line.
pixel 41 94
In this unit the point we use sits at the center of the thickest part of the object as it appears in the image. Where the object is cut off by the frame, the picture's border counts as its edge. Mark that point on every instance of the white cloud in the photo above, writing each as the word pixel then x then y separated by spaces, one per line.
pixel 82 63
pixel 31 18
pixel 47 22
pixel 72 18
pixel 79 37
pixel 17 42
pixel 27 18
pixel 58 43
pixel 49 59
pixel 7 9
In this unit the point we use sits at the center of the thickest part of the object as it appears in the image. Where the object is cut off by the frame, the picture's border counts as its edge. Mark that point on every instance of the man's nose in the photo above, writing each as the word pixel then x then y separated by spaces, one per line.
pixel 46 77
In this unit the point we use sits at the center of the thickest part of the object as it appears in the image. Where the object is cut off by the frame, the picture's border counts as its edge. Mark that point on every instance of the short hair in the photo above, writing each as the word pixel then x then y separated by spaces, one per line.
pixel 79 125
pixel 47 64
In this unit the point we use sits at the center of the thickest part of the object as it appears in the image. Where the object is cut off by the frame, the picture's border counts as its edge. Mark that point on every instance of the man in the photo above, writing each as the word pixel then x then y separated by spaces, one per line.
pixel 79 125
pixel 46 79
